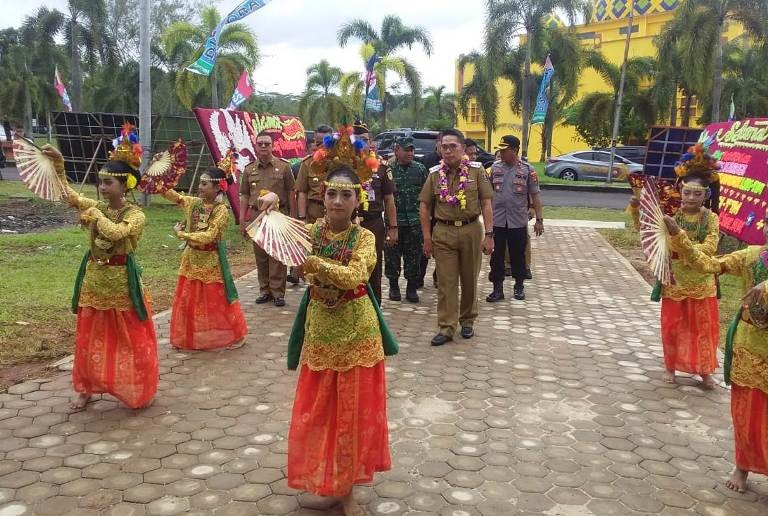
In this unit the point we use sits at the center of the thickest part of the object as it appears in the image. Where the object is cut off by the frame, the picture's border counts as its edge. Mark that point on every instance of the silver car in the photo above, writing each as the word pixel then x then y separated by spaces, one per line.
pixel 590 165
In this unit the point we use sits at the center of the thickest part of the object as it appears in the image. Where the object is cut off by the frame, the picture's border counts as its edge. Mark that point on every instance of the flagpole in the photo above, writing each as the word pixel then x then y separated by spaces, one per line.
pixel 619 98
pixel 145 90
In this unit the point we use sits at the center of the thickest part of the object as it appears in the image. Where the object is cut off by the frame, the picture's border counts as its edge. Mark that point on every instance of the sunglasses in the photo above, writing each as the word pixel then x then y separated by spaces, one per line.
pixel 264 144
pixel 450 146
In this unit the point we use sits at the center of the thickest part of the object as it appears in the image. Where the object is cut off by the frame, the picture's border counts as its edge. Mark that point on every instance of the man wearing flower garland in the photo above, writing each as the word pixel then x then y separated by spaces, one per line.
pixel 380 198
pixel 272 174
pixel 459 191
pixel 514 181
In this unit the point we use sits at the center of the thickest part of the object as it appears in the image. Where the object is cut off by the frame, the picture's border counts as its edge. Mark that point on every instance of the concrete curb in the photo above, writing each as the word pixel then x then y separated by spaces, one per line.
pixel 578 188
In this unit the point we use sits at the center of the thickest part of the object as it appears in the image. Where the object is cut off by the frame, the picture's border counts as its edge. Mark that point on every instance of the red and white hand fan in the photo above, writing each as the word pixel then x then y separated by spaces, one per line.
pixel 654 234
pixel 283 238
pixel 165 171
pixel 37 170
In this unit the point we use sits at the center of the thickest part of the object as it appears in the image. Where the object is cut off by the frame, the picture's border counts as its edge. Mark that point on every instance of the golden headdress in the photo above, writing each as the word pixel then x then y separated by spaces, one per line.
pixel 341 150
pixel 697 161
pixel 125 160
pixel 228 164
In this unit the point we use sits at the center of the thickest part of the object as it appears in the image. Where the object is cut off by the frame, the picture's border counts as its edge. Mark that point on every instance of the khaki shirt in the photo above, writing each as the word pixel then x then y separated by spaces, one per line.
pixel 307 182
pixel 478 189
pixel 275 176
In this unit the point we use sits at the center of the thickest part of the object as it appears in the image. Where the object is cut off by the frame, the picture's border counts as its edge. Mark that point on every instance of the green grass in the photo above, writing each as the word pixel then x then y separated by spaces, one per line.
pixel 601 214
pixel 39 272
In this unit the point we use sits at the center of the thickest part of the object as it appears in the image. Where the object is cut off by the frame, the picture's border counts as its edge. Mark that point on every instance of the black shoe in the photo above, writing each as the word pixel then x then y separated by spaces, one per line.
pixel 467 332
pixel 411 294
pixel 394 291
pixel 497 294
pixel 293 280
pixel 440 339
pixel 508 272
pixel 528 274
pixel 519 293
pixel 263 299
pixel 279 301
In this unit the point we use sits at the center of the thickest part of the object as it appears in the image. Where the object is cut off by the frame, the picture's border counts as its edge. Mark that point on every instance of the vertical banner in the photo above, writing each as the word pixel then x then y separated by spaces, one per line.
pixel 58 85
pixel 204 64
pixel 224 129
pixel 542 101
pixel 243 90
pixel 372 102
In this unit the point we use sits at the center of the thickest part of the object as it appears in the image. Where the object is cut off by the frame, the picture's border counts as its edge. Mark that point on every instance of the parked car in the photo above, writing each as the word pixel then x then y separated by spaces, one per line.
pixel 589 165
pixel 636 154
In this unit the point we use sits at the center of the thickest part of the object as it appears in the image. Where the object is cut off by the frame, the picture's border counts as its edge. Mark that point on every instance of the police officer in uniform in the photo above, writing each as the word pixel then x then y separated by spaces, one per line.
pixel 273 174
pixel 459 239
pixel 310 187
pixel 381 199
pixel 409 177
pixel 513 181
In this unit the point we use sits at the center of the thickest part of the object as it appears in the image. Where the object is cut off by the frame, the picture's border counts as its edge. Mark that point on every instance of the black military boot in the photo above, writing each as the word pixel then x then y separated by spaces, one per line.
pixel 411 293
pixel 497 294
pixel 394 291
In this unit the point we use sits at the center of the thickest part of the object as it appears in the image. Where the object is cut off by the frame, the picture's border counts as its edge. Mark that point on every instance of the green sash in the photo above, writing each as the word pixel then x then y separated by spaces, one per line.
pixel 296 340
pixel 226 275
pixel 133 271
pixel 728 358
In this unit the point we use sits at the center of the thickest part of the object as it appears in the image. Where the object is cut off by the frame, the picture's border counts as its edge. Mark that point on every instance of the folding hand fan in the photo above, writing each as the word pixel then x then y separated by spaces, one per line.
pixel 37 170
pixel 653 233
pixel 283 238
pixel 164 172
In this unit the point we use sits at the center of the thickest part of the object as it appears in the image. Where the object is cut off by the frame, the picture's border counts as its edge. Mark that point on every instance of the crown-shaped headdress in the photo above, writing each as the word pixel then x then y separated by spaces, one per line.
pixel 228 164
pixel 697 161
pixel 343 149
pixel 127 147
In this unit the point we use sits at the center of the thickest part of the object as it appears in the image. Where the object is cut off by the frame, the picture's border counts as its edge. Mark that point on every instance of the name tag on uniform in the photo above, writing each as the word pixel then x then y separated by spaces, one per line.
pixel 371 195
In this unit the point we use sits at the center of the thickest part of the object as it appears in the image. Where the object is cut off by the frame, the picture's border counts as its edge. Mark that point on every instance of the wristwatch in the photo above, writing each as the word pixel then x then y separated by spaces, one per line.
pixel 302 217
pixel 489 233
pixel 539 220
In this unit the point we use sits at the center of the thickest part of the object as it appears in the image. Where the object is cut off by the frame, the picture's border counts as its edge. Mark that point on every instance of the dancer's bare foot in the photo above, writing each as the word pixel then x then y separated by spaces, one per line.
pixel 738 481
pixel 80 401
pixel 669 376
pixel 350 506
pixel 238 344
pixel 707 382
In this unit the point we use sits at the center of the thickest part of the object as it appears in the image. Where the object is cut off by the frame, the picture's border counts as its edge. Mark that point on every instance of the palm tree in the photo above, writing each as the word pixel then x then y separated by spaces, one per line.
pixel 482 88
pixel 745 79
pixel 183 44
pixel 392 36
pixel 507 19
pixel 707 44
pixel 320 100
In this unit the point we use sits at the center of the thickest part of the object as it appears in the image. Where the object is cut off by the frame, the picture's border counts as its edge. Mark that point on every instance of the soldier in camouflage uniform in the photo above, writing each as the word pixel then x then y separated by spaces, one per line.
pixel 409 177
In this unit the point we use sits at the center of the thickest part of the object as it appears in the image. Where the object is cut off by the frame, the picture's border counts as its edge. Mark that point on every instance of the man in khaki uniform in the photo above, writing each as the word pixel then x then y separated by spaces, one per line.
pixel 458 238
pixel 309 186
pixel 272 174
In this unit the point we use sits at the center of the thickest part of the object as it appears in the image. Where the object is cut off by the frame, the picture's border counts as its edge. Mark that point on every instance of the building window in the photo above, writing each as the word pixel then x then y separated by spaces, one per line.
pixel 693 112
pixel 474 113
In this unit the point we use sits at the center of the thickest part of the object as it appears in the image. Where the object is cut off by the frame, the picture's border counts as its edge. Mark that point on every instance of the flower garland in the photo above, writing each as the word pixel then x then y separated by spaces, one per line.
pixel 366 191
pixel 460 198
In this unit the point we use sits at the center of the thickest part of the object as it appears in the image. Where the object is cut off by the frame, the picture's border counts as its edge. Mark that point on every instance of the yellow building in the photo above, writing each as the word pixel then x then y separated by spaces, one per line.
pixel 607 33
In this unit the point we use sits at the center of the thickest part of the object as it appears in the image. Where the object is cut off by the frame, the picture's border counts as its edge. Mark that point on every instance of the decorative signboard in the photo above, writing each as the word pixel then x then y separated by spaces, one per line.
pixel 224 129
pixel 742 149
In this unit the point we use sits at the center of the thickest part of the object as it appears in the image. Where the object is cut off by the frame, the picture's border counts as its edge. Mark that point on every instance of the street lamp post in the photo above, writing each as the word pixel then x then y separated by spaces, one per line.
pixel 145 89
pixel 620 96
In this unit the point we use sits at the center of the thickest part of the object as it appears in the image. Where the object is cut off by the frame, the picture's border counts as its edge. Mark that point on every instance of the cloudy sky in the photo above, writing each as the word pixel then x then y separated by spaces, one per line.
pixel 293 34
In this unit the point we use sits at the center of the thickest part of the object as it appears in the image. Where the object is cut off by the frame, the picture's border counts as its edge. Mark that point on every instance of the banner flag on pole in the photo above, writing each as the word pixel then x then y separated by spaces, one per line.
pixel 370 77
pixel 243 90
pixel 542 101
pixel 61 89
pixel 732 112
pixel 372 102
pixel 204 64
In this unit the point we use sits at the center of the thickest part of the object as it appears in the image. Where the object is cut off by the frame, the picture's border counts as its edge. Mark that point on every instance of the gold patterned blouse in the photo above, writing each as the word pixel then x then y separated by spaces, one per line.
pixel 342 329
pixel 703 231
pixel 750 344
pixel 205 223
pixel 113 235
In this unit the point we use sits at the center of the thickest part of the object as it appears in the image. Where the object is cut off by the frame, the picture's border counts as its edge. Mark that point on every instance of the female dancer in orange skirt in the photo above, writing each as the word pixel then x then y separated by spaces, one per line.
pixel 746 349
pixel 206 312
pixel 115 343
pixel 338 435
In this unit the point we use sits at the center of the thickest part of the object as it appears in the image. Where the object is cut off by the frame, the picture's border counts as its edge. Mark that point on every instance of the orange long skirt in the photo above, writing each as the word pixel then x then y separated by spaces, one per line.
pixel 338 435
pixel 690 330
pixel 749 410
pixel 116 353
pixel 203 319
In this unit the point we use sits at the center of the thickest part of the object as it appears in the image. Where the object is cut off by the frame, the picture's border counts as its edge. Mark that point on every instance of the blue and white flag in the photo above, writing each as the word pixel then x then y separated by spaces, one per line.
pixel 372 102
pixel 542 101
pixel 204 64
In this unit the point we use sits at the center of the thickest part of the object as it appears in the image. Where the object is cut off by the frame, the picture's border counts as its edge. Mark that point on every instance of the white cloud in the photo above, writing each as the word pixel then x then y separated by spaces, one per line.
pixel 293 34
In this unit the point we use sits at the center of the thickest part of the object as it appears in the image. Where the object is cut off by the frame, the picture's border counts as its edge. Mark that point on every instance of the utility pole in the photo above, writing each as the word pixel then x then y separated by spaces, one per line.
pixel 145 90
pixel 620 96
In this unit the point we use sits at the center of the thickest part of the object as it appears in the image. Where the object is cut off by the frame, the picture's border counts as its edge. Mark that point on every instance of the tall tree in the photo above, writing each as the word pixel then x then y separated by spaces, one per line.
pixel 707 47
pixel 745 79
pixel 481 89
pixel 321 99
pixel 509 18
pixel 183 44
pixel 392 37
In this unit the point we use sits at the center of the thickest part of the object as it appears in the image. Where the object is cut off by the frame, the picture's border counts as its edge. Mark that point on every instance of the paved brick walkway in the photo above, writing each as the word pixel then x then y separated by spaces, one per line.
pixel 556 407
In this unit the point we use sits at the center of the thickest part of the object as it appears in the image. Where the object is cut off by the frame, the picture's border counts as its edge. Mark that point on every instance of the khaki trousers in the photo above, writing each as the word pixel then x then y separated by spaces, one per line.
pixel 272 274
pixel 458 258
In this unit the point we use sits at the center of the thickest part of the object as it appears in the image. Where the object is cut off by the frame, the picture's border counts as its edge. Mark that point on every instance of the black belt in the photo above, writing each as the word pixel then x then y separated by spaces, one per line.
pixel 458 223
pixel 372 215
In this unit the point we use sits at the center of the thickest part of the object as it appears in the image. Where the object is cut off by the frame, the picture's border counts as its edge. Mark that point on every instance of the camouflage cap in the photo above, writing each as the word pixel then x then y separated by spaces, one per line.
pixel 405 142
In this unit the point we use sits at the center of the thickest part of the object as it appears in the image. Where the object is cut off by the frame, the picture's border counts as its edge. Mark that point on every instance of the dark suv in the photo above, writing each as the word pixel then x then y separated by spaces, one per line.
pixel 423 141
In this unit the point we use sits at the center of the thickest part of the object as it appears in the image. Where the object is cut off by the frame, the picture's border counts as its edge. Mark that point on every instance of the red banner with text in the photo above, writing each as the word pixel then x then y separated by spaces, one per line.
pixel 742 149
pixel 223 128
